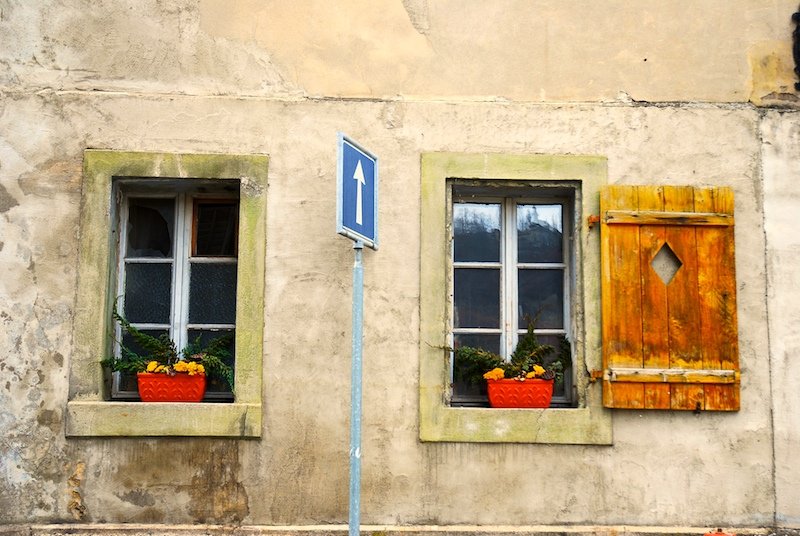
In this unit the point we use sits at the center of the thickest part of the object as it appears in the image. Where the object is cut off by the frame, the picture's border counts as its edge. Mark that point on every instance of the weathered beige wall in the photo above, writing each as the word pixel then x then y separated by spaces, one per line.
pixel 538 50
pixel 247 77
pixel 297 473
pixel 781 135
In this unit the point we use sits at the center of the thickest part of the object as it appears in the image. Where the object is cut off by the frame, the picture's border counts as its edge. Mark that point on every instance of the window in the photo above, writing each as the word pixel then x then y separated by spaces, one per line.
pixel 511 265
pixel 505 190
pixel 177 267
pixel 202 218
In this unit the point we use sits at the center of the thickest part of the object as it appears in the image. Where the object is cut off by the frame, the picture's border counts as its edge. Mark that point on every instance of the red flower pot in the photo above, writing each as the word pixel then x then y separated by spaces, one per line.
pixel 156 387
pixel 510 393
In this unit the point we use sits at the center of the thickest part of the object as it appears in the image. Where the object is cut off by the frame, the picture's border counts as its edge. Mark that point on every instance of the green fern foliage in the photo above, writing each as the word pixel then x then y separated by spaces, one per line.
pixel 163 351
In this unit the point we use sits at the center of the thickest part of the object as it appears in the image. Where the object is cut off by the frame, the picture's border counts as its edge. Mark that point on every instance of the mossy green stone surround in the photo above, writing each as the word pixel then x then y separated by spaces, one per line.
pixel 589 423
pixel 89 413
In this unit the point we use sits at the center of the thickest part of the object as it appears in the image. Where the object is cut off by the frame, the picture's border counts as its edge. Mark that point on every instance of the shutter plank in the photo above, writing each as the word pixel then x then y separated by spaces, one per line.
pixel 683 302
pixel 655 329
pixel 717 288
pixel 621 300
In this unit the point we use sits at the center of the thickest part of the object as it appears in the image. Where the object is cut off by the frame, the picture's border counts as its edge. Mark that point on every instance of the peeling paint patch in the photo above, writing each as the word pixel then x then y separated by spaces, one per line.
pixel 392 115
pixel 217 494
pixel 771 73
pixel 138 497
pixel 418 15
pixel 7 201
pixel 75 504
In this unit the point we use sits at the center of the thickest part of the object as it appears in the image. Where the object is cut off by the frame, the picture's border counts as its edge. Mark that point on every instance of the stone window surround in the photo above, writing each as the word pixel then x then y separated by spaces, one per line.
pixel 587 424
pixel 89 413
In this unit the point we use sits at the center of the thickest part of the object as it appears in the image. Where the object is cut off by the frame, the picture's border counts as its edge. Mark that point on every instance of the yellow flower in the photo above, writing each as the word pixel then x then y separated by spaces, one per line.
pixel 495 374
pixel 160 368
pixel 537 371
pixel 201 369
pixel 180 366
pixel 151 366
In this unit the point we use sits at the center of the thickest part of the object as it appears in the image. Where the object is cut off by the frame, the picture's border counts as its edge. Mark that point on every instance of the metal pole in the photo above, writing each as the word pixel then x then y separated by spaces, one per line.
pixel 355 393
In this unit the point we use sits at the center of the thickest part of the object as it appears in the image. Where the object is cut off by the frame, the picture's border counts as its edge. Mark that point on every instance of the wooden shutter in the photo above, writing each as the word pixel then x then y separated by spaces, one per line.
pixel 669 345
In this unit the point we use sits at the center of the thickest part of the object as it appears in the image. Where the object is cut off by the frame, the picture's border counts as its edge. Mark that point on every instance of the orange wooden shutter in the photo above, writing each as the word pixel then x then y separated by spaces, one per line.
pixel 673 344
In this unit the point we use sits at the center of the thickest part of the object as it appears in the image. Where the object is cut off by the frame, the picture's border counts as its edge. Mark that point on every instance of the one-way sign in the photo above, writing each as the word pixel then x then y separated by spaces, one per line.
pixel 357 193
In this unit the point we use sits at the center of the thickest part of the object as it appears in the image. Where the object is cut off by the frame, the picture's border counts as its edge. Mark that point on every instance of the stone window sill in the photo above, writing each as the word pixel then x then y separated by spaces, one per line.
pixel 132 419
pixel 566 426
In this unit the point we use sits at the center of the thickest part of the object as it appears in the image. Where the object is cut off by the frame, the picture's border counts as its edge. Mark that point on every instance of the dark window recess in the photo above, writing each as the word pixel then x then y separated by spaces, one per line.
pixel 148 293
pixel 216 389
pixel 216 228
pixel 212 293
pixel 151 224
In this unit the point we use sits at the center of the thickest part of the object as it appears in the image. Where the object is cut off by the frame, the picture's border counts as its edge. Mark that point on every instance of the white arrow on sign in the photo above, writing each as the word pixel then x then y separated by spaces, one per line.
pixel 358 176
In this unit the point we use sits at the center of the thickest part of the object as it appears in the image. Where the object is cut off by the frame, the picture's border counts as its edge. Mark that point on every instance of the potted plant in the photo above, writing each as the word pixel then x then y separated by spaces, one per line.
pixel 165 374
pixel 525 380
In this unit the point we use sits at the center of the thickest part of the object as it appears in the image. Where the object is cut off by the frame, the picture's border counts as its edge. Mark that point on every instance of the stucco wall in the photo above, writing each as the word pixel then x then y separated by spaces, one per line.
pixel 218 77
pixel 781 197
pixel 542 50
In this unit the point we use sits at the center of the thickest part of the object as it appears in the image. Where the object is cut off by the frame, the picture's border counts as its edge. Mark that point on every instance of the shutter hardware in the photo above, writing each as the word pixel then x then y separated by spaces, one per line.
pixel 671 375
pixel 655 217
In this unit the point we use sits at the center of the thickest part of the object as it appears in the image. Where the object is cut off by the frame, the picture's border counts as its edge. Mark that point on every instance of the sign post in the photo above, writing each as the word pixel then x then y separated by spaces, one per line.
pixel 357 219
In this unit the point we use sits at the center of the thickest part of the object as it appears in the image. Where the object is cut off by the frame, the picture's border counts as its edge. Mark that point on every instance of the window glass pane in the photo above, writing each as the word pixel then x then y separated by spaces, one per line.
pixel 215 384
pixel 486 341
pixel 539 233
pixel 148 292
pixel 127 381
pixel 216 228
pixel 212 293
pixel 469 385
pixel 561 351
pixel 476 232
pixel 477 298
pixel 151 223
pixel 130 343
pixel 541 292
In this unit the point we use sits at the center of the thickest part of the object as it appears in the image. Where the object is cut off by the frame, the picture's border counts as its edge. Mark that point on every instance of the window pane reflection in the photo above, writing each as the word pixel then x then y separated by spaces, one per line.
pixel 539 233
pixel 476 232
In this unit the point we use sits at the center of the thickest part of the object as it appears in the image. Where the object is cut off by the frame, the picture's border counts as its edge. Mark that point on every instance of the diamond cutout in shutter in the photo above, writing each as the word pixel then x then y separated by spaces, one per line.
pixel 666 264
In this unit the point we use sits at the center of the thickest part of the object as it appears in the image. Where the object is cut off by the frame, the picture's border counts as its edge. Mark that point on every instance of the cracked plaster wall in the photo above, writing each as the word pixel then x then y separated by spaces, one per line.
pixel 207 76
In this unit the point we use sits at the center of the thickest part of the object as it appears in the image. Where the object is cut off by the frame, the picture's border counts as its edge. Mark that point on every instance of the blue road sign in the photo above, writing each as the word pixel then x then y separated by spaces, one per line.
pixel 357 193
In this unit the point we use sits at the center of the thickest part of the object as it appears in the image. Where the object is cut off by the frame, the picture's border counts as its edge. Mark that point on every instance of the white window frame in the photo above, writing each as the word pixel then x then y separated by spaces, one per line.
pixel 509 322
pixel 184 196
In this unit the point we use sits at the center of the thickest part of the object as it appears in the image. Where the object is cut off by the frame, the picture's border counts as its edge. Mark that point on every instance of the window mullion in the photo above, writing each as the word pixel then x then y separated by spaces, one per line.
pixel 566 259
pixel 180 281
pixel 509 276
